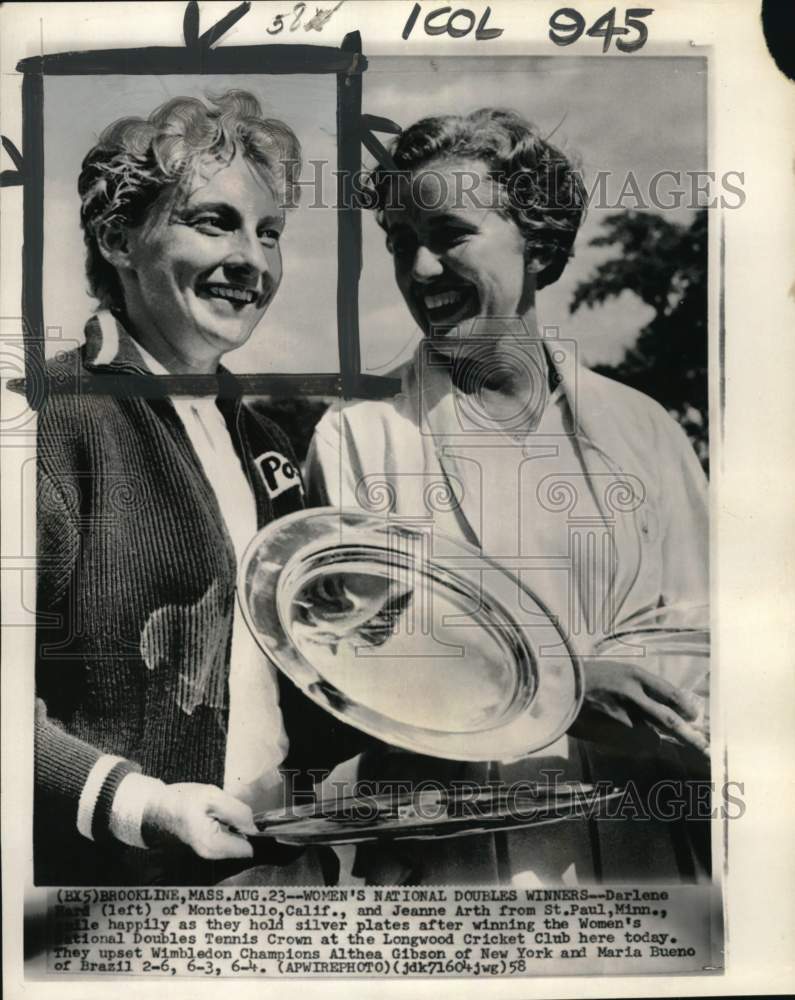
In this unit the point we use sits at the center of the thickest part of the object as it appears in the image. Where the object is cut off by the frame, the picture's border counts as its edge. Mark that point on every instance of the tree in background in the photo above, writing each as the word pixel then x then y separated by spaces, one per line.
pixel 665 264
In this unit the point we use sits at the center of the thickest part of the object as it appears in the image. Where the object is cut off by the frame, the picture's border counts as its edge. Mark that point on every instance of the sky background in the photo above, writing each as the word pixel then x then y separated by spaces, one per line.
pixel 611 113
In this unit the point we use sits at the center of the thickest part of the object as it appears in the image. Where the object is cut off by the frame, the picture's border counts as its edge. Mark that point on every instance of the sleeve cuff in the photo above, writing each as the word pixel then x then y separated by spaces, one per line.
pixel 126 813
pixel 93 807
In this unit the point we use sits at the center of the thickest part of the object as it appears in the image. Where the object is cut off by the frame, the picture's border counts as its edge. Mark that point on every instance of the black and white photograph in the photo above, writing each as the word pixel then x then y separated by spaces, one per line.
pixel 368 563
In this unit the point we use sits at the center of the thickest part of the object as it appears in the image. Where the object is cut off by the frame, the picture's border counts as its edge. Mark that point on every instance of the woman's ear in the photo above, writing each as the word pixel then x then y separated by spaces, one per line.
pixel 113 240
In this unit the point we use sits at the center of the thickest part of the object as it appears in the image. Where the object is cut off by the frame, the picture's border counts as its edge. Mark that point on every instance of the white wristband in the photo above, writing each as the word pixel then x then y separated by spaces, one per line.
pixel 90 793
pixel 129 802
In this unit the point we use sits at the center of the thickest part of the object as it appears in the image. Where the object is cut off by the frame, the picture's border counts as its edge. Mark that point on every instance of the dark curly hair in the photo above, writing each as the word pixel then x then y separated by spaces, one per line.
pixel 542 191
pixel 135 159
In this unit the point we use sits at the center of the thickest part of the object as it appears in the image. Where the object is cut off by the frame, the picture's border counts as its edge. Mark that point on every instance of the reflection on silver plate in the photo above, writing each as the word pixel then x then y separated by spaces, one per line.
pixel 422 815
pixel 408 635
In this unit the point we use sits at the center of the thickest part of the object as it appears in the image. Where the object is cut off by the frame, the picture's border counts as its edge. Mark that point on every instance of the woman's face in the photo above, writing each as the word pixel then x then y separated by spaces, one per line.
pixel 456 256
pixel 200 272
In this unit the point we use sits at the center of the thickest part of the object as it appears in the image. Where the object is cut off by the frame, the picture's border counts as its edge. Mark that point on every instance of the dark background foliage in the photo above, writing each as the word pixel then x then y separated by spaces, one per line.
pixel 665 264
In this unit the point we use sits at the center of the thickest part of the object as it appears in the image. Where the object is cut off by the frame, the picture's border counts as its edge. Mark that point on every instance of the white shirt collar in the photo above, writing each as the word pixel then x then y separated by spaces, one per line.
pixel 150 361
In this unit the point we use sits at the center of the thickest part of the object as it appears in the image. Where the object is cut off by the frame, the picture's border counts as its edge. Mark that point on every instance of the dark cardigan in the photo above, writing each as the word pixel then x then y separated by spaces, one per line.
pixel 135 598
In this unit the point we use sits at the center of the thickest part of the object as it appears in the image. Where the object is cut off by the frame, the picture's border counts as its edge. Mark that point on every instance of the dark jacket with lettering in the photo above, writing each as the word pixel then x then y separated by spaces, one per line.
pixel 135 599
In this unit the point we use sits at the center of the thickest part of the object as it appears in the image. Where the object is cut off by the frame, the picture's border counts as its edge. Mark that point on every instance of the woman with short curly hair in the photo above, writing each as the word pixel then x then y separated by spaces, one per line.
pixel 135 159
pixel 585 490
pixel 537 186
pixel 160 725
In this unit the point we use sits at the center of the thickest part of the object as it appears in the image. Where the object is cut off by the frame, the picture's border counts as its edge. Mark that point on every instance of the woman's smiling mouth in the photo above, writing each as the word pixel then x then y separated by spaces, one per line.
pixel 230 293
pixel 449 306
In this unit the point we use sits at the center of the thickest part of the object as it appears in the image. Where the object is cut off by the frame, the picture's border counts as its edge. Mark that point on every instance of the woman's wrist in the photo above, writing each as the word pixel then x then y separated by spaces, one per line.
pixel 133 798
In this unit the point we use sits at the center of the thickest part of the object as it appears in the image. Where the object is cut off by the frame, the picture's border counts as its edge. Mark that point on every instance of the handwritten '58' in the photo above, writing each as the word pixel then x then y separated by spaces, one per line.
pixel 317 22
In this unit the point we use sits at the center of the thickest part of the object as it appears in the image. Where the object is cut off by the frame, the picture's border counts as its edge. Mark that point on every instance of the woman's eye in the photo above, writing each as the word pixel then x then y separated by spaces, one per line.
pixel 210 224
pixel 400 246
pixel 449 238
pixel 270 237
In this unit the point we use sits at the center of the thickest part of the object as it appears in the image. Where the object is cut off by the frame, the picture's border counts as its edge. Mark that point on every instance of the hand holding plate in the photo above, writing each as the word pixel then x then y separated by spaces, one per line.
pixel 634 699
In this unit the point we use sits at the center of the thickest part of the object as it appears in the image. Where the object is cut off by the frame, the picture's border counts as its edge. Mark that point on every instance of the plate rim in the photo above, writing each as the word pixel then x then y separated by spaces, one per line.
pixel 320 696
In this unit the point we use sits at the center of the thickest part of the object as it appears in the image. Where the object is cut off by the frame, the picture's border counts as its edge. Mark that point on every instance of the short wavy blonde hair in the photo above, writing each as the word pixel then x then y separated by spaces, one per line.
pixel 135 159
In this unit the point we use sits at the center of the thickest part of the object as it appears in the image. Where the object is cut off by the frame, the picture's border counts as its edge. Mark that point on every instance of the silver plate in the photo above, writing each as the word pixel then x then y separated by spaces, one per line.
pixel 431 815
pixel 408 635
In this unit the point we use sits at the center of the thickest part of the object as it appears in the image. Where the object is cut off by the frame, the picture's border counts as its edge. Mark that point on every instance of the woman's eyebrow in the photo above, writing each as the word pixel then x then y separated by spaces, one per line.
pixel 220 207
pixel 271 219
pixel 227 211
pixel 452 221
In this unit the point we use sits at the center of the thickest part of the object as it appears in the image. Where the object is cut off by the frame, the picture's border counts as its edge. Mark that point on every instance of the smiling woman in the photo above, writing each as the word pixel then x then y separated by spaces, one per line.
pixel 457 260
pixel 586 492
pixel 160 725
pixel 182 215
pixel 481 213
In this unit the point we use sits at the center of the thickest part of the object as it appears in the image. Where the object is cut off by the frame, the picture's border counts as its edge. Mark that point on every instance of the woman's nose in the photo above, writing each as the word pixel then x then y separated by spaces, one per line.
pixel 426 265
pixel 249 255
